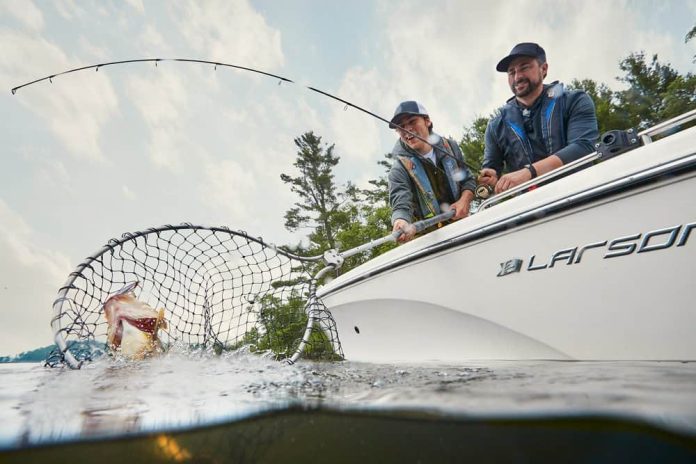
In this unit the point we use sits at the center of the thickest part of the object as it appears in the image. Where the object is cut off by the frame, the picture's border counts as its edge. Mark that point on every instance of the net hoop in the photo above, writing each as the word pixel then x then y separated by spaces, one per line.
pixel 219 286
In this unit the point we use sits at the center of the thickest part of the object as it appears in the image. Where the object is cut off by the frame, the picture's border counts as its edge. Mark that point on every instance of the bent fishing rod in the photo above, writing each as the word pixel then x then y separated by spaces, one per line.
pixel 281 79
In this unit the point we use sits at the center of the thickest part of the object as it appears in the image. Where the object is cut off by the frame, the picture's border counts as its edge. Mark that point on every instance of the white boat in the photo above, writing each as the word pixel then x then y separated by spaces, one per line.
pixel 596 265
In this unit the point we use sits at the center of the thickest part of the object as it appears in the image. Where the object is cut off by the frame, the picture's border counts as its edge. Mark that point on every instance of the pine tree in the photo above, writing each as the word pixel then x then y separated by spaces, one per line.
pixel 319 196
pixel 472 143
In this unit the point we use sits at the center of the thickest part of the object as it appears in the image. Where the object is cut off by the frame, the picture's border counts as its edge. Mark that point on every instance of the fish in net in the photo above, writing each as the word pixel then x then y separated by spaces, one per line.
pixel 216 288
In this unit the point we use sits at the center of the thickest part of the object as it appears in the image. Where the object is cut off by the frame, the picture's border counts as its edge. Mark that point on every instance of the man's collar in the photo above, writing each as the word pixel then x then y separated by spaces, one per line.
pixel 430 155
pixel 534 104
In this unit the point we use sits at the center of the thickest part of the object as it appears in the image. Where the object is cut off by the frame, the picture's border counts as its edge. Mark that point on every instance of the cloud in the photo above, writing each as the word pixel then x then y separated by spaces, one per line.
pixel 25 11
pixel 69 9
pixel 137 5
pixel 128 193
pixel 170 102
pixel 52 174
pixel 161 97
pixel 75 107
pixel 29 280
pixel 93 52
pixel 241 185
pixel 151 42
pixel 231 31
pixel 229 187
pixel 357 133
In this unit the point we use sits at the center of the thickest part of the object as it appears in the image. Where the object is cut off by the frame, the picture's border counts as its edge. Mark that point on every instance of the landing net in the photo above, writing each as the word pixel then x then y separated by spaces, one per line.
pixel 220 289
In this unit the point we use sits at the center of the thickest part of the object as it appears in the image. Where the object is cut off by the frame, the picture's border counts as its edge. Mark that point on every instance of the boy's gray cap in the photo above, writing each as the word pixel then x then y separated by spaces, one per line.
pixel 407 107
pixel 522 49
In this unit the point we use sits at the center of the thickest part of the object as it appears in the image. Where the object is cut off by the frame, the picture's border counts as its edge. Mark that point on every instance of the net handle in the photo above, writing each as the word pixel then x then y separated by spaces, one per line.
pixel 420 226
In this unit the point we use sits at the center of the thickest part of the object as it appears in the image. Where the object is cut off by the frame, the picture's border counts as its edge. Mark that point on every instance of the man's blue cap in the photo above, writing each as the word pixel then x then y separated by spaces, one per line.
pixel 407 107
pixel 522 49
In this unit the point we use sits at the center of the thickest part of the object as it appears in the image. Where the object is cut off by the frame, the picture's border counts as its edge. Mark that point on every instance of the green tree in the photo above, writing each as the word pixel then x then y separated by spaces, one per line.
pixel 689 36
pixel 649 81
pixel 656 92
pixel 369 216
pixel 281 325
pixel 319 197
pixel 473 142
pixel 338 217
pixel 609 115
pixel 379 193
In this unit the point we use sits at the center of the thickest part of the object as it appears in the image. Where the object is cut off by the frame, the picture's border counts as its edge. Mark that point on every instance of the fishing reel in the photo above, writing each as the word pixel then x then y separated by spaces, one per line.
pixel 483 191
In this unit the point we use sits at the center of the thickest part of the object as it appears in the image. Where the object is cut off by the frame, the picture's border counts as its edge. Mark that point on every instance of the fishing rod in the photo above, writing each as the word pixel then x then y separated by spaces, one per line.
pixel 242 68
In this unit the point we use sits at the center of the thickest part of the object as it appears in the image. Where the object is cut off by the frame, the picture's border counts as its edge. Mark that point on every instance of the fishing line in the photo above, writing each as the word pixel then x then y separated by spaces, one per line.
pixel 281 79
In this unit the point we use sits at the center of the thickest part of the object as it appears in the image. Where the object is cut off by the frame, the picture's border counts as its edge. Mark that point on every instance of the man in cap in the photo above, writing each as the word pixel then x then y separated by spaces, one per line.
pixel 428 175
pixel 539 129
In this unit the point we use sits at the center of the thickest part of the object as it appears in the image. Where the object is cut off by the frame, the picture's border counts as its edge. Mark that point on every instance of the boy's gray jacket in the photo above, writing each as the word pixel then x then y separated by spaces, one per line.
pixel 404 197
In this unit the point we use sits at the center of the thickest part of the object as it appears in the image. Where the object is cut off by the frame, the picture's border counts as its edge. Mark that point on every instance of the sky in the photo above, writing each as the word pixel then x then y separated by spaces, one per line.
pixel 95 154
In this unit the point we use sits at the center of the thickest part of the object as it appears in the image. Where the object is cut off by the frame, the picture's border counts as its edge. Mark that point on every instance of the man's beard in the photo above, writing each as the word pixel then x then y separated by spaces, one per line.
pixel 531 87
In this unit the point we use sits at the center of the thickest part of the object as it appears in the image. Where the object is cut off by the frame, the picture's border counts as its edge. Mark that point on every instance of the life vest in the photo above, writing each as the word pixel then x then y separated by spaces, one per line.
pixel 512 136
pixel 427 200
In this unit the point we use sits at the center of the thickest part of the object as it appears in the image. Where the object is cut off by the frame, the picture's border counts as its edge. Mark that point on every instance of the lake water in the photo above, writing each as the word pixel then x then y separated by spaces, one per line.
pixel 239 407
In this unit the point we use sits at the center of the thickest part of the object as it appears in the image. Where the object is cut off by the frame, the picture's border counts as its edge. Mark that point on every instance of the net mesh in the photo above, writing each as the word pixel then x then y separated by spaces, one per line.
pixel 219 288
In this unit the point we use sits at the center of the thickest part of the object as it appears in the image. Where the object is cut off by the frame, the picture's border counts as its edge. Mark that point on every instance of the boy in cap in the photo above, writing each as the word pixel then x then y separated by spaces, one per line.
pixel 428 175
pixel 540 128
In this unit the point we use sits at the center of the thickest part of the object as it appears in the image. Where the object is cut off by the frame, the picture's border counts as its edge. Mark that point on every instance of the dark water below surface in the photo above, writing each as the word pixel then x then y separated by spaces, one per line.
pixel 193 408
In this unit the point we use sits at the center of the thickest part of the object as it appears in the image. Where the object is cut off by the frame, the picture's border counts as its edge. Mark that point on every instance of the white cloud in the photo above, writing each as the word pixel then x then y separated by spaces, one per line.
pixel 162 98
pixel 137 5
pixel 229 187
pixel 75 107
pixel 128 193
pixel 93 52
pixel 69 9
pixel 357 133
pixel 29 280
pixel 230 31
pixel 242 183
pixel 168 147
pixel 52 174
pixel 25 11
pixel 151 42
